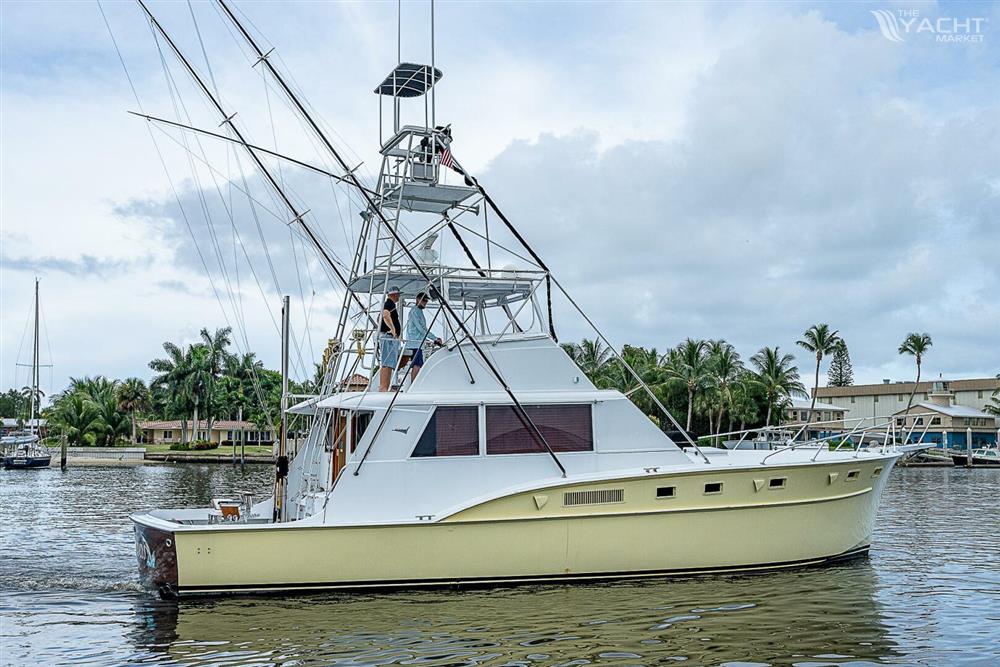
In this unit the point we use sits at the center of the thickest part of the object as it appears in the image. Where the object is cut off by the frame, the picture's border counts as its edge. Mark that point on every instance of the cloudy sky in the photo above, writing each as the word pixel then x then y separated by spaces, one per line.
pixel 726 170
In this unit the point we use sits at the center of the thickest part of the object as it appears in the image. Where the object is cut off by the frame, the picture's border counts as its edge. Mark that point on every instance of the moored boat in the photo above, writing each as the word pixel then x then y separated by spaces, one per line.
pixel 500 462
pixel 26 455
pixel 983 456
pixel 23 450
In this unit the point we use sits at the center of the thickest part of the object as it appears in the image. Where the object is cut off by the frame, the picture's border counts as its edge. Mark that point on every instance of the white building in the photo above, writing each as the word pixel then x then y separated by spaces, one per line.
pixel 888 398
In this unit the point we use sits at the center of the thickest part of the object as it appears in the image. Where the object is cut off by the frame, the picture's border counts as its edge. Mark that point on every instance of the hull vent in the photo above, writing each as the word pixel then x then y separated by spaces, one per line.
pixel 602 497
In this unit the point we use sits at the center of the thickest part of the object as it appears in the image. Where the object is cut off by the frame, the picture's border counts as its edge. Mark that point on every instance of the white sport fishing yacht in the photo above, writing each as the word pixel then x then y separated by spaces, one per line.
pixel 501 462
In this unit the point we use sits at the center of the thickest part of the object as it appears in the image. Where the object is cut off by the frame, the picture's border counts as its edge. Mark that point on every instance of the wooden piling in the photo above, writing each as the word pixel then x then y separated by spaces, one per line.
pixel 968 447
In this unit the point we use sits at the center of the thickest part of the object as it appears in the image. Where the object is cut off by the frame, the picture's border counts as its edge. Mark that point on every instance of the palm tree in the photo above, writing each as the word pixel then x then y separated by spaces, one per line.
pixel 217 346
pixel 171 383
pixel 687 363
pixel 917 345
pixel 75 416
pixel 592 357
pixel 198 380
pixel 30 394
pixel 725 368
pixel 247 370
pixel 819 340
pixel 134 397
pixel 778 376
pixel 744 406
pixel 112 422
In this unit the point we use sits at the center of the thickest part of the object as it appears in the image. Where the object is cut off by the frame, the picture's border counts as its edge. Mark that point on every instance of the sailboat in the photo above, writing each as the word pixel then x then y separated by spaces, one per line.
pixel 500 461
pixel 23 449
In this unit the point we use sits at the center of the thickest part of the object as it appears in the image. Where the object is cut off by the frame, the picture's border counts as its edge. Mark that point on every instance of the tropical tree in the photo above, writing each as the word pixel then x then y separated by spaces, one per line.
pixel 198 381
pixel 241 381
pixel 687 364
pixel 746 399
pixel 841 372
pixel 31 395
pixel 917 345
pixel 592 357
pixel 133 398
pixel 75 416
pixel 113 424
pixel 725 368
pixel 778 376
pixel 11 404
pixel 821 341
pixel 170 387
pixel 217 347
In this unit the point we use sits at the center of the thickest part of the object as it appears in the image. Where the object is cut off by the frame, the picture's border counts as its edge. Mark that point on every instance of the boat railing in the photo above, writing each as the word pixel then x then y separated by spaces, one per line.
pixel 886 428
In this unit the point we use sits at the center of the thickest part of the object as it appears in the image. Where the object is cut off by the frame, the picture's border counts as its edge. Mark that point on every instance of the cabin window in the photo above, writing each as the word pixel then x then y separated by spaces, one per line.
pixel 935 421
pixel 853 475
pixel 666 491
pixel 359 424
pixel 452 431
pixel 168 435
pixel 777 482
pixel 567 428
pixel 713 488
pixel 920 421
pixel 852 399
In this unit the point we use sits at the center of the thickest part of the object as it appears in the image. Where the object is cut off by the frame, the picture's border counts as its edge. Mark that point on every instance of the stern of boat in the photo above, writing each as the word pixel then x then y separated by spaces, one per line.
pixel 156 551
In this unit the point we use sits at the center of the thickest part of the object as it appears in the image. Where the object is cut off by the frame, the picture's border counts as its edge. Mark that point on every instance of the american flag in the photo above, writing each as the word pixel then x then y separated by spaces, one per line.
pixel 446 160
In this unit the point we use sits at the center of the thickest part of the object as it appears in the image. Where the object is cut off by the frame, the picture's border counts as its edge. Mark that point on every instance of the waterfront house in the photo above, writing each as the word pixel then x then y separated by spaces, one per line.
pixel 941 421
pixel 881 400
pixel 830 418
pixel 223 432
pixel 10 425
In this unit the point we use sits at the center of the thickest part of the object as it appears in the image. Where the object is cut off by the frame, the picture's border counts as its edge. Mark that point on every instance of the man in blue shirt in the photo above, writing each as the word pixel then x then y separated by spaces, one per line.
pixel 416 334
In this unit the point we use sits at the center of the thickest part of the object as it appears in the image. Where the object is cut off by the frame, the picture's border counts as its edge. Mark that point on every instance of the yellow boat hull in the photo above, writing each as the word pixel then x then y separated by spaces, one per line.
pixel 817 513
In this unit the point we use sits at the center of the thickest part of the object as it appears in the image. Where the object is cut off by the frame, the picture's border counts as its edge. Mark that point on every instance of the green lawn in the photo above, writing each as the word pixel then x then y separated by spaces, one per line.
pixel 225 451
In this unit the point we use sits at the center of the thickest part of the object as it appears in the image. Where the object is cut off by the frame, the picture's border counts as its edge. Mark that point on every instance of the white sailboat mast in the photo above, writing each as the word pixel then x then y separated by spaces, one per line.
pixel 32 423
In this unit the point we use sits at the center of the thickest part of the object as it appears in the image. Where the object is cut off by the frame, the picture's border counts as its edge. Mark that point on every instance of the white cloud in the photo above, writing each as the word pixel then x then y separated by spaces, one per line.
pixel 735 171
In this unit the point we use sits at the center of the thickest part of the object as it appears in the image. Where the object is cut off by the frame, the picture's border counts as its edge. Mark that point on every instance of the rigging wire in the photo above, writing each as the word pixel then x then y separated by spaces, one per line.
pixel 205 206
pixel 173 190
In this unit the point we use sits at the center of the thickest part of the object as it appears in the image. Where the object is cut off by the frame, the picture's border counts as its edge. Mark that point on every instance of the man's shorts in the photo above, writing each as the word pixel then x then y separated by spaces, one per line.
pixel 418 355
pixel 388 351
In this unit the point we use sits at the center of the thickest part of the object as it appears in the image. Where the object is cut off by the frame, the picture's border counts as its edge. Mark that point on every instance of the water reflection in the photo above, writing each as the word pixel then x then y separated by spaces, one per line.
pixel 825 614
pixel 929 595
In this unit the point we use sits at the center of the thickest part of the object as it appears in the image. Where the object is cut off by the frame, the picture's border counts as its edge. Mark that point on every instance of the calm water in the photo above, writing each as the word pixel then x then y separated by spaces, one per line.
pixel 928 595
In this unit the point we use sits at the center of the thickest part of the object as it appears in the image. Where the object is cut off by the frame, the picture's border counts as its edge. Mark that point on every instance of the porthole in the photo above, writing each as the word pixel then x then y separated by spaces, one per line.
pixel 853 475
pixel 713 488
pixel 666 491
pixel 876 472
pixel 777 482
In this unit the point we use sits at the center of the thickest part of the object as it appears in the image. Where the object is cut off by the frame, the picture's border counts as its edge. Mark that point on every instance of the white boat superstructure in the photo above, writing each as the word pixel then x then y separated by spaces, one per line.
pixel 500 461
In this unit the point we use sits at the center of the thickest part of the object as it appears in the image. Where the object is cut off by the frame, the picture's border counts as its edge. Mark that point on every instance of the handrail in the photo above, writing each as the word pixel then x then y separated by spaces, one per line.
pixel 889 421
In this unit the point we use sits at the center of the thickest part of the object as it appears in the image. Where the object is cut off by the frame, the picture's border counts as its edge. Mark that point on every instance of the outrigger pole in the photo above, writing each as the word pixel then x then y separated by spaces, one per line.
pixel 227 119
pixel 223 137
pixel 352 179
pixel 280 479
